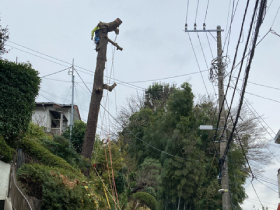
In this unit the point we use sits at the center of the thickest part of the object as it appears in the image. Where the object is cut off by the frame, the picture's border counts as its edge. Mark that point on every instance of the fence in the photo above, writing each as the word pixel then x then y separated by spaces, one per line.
pixel 19 200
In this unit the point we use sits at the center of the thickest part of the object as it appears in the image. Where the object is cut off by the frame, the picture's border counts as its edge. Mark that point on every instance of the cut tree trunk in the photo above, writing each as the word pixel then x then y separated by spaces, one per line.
pixel 97 91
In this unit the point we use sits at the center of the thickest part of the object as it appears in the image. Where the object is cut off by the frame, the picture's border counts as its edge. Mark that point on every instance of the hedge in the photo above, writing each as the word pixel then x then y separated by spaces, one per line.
pixel 19 86
pixel 6 152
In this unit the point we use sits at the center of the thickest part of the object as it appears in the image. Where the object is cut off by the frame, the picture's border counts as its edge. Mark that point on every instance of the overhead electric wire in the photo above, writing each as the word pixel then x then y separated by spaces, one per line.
pixel 228 15
pixel 267 186
pixel 55 72
pixel 257 194
pixel 259 116
pixel 234 60
pixel 198 66
pixel 206 11
pixel 187 11
pixel 138 137
pixel 97 125
pixel 196 11
pixel 36 55
pixel 275 18
pixel 260 20
pixel 209 46
pixel 232 18
pixel 67 95
pixel 205 60
pixel 92 72
pixel 181 75
pixel 253 94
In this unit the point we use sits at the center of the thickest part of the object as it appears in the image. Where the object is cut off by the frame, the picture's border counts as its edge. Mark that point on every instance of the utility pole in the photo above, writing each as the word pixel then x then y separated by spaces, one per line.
pixel 224 169
pixel 72 103
pixel 98 86
pixel 222 123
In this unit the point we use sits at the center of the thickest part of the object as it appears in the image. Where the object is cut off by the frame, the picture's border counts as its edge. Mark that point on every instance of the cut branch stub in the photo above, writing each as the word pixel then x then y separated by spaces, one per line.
pixel 115 44
pixel 110 88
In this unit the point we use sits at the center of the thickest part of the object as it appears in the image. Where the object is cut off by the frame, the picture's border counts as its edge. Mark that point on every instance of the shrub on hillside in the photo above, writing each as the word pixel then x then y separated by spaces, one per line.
pixel 19 86
pixel 39 152
pixel 63 148
pixel 56 190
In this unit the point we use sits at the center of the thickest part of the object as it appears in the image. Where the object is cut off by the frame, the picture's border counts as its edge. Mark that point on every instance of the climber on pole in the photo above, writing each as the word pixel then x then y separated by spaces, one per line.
pixel 96 38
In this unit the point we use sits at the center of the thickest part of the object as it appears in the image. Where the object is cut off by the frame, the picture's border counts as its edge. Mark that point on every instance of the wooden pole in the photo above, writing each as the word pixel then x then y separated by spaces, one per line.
pixel 98 86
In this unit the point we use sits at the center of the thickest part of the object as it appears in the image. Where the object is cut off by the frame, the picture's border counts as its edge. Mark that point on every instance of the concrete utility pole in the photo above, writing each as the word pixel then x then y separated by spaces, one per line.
pixel 222 123
pixel 72 103
pixel 98 86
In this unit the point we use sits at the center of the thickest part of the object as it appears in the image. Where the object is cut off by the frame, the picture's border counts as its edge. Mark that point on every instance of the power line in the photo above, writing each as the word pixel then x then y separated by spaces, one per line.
pixel 198 65
pixel 206 11
pixel 274 17
pixel 196 11
pixel 60 61
pixel 55 72
pixel 247 42
pixel 138 137
pixel 205 59
pixel 235 56
pixel 256 194
pixel 267 186
pixel 181 75
pixel 187 12
pixel 36 55
pixel 260 19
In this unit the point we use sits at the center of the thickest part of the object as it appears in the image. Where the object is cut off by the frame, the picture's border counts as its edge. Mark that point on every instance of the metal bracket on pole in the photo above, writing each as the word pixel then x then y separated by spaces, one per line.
pixel 211 30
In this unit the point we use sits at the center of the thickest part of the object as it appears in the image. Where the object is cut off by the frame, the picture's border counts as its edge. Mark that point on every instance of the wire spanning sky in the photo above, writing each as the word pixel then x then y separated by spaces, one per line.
pixel 155 46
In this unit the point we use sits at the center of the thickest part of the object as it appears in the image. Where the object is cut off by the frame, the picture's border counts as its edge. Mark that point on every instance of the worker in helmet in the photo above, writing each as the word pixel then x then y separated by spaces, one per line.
pixel 96 38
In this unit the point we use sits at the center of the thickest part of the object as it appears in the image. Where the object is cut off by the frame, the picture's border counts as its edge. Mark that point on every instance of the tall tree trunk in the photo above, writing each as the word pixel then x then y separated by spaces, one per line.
pixel 97 91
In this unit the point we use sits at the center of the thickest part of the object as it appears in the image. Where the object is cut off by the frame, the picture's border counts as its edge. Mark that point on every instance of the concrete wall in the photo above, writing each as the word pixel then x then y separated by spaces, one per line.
pixel 4 179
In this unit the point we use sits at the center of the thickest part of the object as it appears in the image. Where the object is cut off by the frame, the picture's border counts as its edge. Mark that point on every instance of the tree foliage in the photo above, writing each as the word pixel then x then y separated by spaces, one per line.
pixel 168 120
pixel 19 87
pixel 78 133
pixel 4 36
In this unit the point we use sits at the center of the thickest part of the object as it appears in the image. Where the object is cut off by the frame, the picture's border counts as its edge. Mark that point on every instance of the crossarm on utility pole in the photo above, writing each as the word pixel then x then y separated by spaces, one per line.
pixel 110 88
pixel 115 44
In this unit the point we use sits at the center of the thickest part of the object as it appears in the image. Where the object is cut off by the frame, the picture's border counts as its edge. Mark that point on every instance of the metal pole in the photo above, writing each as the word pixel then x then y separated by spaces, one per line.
pixel 222 123
pixel 61 123
pixel 72 103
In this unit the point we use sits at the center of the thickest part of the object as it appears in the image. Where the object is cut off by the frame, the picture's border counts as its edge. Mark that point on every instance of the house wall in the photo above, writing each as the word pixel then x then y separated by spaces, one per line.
pixel 41 117
pixel 4 179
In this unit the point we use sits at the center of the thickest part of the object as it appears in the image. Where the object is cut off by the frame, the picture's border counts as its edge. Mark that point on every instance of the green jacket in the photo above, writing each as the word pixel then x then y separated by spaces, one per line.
pixel 92 32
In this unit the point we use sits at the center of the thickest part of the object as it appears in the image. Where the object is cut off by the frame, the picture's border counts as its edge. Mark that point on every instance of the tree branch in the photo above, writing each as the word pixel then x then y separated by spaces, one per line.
pixel 115 44
pixel 110 88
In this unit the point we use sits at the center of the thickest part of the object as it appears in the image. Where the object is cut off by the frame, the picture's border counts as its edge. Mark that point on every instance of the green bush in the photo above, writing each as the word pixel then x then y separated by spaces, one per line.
pixel 77 139
pixel 145 198
pixel 133 184
pixel 6 152
pixel 63 148
pixel 57 191
pixel 35 131
pixel 39 152
pixel 19 86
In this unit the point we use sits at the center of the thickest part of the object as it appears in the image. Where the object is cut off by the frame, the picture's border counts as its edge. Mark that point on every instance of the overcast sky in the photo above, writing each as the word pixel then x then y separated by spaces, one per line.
pixel 155 46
